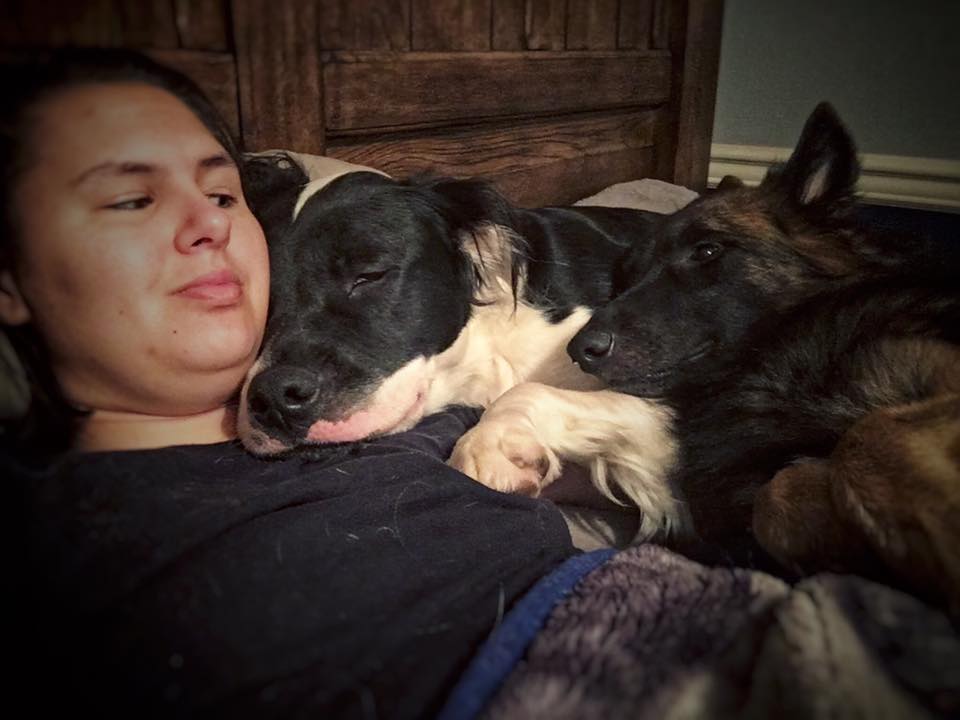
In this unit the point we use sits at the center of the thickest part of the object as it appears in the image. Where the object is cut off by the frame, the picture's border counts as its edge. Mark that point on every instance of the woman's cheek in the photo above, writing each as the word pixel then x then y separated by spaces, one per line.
pixel 256 259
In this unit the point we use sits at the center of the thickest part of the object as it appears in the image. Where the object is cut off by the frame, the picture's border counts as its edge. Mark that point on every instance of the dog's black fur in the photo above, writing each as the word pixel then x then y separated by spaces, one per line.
pixel 770 320
pixel 375 272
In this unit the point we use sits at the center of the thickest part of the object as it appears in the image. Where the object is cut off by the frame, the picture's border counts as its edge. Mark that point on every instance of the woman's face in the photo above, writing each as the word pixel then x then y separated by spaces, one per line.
pixel 139 260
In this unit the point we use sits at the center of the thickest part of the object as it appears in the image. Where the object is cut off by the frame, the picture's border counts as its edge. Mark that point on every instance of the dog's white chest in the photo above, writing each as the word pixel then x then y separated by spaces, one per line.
pixel 502 346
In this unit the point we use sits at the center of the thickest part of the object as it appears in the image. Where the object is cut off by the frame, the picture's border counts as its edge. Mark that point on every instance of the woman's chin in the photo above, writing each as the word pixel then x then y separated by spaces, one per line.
pixel 223 349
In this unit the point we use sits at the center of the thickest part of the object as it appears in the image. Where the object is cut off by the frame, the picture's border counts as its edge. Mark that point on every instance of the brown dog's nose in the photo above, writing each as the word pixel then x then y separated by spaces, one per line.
pixel 590 348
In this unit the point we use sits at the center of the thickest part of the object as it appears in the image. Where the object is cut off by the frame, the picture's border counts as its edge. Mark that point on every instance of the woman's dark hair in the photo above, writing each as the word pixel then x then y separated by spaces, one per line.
pixel 50 423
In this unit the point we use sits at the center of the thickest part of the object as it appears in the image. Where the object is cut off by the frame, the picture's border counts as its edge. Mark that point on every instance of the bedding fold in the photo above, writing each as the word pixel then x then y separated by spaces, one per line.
pixel 650 634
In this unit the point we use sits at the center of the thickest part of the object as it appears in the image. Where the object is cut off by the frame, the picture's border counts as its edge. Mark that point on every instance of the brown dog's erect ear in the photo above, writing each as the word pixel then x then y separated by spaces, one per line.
pixel 729 182
pixel 823 169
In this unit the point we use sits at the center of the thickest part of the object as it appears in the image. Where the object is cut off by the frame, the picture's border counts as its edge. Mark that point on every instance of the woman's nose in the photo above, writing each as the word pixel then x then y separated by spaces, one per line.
pixel 204 224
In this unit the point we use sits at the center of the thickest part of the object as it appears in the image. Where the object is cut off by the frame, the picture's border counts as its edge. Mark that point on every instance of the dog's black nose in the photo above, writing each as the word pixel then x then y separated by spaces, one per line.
pixel 589 348
pixel 282 394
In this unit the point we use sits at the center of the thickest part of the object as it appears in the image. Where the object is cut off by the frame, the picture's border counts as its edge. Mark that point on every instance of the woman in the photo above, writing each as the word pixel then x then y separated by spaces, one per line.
pixel 161 570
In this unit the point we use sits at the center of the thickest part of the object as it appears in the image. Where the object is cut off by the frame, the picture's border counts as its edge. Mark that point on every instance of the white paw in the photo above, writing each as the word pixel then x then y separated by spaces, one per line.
pixel 506 456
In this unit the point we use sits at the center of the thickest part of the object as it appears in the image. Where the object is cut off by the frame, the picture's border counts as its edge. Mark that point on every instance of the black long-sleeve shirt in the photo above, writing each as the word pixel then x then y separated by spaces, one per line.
pixel 199 581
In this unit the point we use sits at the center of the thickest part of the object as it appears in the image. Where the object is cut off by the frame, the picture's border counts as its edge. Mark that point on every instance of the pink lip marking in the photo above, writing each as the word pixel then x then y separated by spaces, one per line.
pixel 222 287
pixel 367 423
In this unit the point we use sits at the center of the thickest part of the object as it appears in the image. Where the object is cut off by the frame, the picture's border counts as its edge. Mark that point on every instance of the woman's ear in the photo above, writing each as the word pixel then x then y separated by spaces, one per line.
pixel 13 308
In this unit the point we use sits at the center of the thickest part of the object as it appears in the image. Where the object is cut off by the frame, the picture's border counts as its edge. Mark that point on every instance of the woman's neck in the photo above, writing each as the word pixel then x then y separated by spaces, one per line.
pixel 110 430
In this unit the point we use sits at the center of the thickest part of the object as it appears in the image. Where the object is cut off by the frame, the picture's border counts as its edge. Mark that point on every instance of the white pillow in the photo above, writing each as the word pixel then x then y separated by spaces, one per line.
pixel 647 194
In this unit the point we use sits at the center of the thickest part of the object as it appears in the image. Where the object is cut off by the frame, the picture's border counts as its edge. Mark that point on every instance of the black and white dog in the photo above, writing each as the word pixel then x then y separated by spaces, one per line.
pixel 391 300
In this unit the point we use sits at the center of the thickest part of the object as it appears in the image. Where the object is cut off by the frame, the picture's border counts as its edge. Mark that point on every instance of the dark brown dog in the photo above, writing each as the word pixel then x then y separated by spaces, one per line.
pixel 774 324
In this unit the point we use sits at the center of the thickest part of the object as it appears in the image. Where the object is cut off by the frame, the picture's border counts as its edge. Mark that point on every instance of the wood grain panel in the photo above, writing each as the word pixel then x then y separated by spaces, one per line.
pixel 106 23
pixel 566 181
pixel 636 22
pixel 417 89
pixel 364 25
pixel 660 25
pixel 278 72
pixel 507 27
pixel 215 73
pixel 202 24
pixel 519 153
pixel 459 25
pixel 592 24
pixel 670 31
pixel 698 92
pixel 546 24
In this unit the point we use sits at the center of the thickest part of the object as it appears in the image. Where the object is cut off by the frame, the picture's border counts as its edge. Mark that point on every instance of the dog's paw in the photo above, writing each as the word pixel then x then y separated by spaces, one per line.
pixel 507 457
pixel 796 522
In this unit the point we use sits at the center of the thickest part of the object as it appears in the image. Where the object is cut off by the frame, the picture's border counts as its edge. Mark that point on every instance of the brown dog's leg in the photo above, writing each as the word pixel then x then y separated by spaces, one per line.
pixel 794 520
pixel 897 477
pixel 887 499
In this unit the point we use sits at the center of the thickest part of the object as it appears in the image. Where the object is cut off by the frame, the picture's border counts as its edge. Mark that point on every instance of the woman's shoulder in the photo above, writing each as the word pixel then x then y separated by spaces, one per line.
pixel 202 490
pixel 39 463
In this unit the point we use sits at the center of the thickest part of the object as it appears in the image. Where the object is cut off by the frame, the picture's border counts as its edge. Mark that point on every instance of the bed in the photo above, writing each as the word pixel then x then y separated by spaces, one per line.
pixel 554 101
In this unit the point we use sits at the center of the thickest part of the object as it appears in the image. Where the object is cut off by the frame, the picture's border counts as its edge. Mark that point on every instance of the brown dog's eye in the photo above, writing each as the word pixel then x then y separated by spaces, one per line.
pixel 706 251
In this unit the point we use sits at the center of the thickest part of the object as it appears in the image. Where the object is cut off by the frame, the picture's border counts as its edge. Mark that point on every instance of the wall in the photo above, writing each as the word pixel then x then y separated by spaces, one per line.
pixel 889 67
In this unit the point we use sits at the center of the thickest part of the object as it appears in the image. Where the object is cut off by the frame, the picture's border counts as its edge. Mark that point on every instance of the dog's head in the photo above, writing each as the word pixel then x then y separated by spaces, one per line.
pixel 371 279
pixel 728 260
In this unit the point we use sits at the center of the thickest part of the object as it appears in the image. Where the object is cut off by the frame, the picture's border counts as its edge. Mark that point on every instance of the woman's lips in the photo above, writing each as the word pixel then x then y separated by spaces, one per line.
pixel 222 287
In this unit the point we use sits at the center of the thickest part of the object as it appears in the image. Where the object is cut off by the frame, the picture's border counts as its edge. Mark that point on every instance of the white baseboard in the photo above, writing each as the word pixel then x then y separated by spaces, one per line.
pixel 928 183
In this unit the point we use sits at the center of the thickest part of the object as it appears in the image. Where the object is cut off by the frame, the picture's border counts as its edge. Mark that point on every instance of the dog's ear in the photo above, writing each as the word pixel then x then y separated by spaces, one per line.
pixel 729 182
pixel 271 184
pixel 470 208
pixel 469 204
pixel 822 172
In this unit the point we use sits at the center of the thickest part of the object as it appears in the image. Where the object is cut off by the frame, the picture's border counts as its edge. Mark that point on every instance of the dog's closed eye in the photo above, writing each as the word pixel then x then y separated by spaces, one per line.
pixel 367 278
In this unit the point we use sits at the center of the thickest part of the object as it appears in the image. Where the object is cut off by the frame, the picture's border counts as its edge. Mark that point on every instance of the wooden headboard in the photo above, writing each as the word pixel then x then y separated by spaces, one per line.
pixel 550 99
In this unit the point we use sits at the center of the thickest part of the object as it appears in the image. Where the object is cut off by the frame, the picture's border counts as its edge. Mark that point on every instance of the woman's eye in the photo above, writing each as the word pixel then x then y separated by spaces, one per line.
pixel 367 278
pixel 137 203
pixel 706 251
pixel 223 200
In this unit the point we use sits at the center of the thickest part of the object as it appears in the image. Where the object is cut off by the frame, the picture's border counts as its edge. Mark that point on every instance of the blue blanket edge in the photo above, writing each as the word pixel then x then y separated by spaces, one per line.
pixel 508 642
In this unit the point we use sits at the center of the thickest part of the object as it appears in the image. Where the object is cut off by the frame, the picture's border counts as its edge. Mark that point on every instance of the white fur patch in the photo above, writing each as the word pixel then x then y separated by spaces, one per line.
pixel 625 441
pixel 504 343
pixel 322 171
pixel 816 185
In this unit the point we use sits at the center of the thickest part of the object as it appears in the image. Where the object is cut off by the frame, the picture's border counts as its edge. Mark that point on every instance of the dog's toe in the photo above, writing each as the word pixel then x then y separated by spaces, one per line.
pixel 504 458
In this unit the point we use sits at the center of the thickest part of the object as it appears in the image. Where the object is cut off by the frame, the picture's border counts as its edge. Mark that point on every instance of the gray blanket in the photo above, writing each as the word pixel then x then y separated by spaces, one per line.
pixel 650 634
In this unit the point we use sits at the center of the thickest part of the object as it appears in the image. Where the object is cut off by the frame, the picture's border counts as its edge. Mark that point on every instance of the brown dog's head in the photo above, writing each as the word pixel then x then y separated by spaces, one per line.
pixel 728 260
